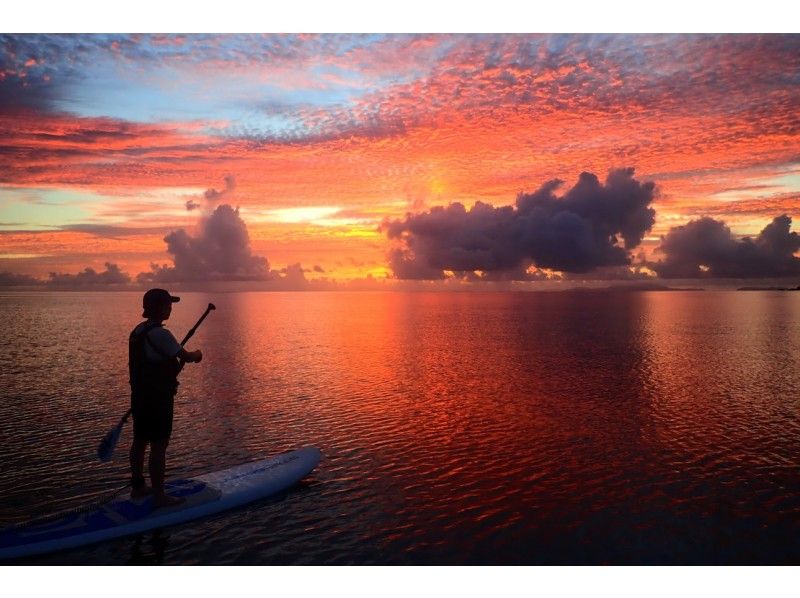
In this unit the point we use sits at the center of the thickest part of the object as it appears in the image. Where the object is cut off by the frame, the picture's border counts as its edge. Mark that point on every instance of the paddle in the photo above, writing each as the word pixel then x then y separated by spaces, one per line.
pixel 106 447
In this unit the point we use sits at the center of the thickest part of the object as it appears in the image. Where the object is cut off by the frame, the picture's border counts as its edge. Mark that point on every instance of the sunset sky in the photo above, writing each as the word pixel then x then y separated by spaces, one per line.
pixel 348 154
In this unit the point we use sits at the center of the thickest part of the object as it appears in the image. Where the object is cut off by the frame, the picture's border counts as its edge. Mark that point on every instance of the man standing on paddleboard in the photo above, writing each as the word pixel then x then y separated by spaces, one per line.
pixel 155 358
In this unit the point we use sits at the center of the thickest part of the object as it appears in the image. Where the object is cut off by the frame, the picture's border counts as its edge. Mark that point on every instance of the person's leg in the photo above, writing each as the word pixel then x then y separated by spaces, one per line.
pixel 158 467
pixel 138 448
pixel 139 487
pixel 141 433
pixel 162 430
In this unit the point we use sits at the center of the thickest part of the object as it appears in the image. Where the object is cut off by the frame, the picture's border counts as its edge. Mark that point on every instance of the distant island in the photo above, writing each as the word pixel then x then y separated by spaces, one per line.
pixel 651 286
pixel 797 288
pixel 642 286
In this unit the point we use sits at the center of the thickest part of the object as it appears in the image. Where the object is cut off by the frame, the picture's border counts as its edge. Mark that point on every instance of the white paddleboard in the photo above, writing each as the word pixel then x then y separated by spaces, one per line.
pixel 205 495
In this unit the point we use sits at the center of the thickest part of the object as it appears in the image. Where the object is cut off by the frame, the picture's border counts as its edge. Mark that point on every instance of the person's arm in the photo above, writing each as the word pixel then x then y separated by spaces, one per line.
pixel 166 344
pixel 190 356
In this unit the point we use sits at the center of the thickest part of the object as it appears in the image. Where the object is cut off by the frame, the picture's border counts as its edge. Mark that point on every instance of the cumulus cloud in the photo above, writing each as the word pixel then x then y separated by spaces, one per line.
pixel 221 251
pixel 90 277
pixel 112 231
pixel 592 225
pixel 707 248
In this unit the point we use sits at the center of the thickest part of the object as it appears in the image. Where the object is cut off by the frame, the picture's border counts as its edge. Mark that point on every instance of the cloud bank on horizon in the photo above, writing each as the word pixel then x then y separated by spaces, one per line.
pixel 591 227
pixel 111 142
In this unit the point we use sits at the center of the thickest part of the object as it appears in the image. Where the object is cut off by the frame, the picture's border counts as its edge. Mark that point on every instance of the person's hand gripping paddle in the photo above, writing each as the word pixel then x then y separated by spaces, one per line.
pixel 105 450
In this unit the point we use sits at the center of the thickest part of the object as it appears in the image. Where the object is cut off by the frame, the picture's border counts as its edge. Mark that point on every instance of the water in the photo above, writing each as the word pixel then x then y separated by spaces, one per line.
pixel 479 428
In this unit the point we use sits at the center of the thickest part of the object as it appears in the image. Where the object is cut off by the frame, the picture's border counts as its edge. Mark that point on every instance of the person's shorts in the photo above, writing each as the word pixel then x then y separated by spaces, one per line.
pixel 152 415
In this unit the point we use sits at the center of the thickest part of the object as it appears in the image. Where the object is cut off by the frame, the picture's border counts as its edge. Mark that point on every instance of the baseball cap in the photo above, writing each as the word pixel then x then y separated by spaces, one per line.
pixel 155 298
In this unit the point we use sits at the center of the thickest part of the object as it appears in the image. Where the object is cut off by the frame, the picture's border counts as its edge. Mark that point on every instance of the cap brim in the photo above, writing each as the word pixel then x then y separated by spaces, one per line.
pixel 174 299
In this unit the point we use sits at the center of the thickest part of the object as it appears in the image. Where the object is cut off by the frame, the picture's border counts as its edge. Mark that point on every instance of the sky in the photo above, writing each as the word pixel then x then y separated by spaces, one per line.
pixel 347 157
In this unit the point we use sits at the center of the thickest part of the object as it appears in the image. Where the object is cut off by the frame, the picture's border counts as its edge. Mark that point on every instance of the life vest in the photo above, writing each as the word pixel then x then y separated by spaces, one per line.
pixel 147 376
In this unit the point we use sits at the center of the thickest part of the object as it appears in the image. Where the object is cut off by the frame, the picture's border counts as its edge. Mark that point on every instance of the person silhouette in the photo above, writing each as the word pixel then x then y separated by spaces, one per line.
pixel 155 358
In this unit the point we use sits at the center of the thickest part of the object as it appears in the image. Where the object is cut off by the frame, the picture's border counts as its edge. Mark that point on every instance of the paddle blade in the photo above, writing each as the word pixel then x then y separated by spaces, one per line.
pixel 106 448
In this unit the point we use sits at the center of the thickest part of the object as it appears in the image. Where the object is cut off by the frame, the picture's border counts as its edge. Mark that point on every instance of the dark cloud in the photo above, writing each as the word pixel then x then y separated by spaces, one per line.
pixel 592 225
pixel 192 205
pixel 11 279
pixel 707 248
pixel 112 231
pixel 221 251
pixel 89 277
pixel 122 132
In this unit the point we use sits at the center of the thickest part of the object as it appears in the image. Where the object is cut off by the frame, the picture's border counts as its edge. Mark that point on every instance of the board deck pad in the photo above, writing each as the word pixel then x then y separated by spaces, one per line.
pixel 205 495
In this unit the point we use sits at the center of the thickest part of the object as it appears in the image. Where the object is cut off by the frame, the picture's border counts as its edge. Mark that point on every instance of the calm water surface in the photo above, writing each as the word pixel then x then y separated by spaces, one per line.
pixel 481 428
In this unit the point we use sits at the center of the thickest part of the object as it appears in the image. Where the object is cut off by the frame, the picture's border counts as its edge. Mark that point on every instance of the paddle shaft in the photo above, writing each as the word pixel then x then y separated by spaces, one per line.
pixel 189 334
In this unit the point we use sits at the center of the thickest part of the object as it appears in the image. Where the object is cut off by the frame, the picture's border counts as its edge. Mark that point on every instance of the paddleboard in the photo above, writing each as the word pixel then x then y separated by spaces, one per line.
pixel 205 495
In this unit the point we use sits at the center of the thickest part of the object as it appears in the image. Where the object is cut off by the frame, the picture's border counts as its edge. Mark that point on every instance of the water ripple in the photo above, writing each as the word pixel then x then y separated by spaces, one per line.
pixel 457 428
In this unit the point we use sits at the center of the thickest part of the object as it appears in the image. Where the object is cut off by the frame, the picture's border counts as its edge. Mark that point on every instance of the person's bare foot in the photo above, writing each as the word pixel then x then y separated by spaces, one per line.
pixel 142 492
pixel 166 500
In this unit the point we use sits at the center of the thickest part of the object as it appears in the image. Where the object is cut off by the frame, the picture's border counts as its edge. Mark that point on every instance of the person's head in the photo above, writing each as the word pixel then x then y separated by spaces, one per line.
pixel 157 304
